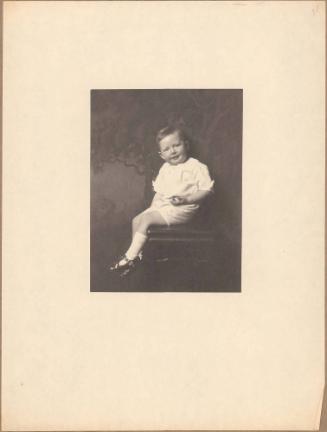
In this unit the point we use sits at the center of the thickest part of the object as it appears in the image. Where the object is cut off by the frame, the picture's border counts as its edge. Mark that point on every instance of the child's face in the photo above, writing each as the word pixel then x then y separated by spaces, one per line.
pixel 172 149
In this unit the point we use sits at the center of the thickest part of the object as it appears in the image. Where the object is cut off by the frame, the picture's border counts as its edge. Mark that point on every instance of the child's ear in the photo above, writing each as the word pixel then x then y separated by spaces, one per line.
pixel 159 153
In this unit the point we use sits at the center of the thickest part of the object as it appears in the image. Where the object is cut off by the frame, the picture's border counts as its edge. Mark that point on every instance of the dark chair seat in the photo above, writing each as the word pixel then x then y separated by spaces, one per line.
pixel 180 233
pixel 179 242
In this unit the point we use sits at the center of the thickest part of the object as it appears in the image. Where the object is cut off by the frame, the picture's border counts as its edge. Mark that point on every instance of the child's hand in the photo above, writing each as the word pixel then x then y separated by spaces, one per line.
pixel 178 200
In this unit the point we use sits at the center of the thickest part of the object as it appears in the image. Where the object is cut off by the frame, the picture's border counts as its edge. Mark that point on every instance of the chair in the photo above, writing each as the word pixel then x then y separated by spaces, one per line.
pixel 194 241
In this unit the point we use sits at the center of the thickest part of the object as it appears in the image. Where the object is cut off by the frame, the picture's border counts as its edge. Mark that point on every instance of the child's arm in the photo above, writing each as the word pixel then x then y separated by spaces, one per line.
pixel 194 198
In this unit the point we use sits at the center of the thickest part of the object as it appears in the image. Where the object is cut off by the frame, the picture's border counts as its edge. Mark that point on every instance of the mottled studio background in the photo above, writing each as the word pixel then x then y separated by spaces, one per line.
pixel 124 160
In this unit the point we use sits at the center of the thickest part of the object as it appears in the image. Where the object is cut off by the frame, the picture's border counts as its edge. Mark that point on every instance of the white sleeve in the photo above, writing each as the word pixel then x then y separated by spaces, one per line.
pixel 204 181
pixel 158 182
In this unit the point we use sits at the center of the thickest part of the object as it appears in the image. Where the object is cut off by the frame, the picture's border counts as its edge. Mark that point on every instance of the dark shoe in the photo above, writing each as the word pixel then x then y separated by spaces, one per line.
pixel 120 264
pixel 125 265
pixel 131 266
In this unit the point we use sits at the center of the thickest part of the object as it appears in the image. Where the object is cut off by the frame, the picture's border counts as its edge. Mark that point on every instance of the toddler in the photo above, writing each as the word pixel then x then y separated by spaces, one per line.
pixel 182 183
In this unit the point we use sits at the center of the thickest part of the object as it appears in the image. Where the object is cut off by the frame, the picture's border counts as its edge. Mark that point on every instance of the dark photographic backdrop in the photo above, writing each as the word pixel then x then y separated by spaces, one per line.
pixel 124 160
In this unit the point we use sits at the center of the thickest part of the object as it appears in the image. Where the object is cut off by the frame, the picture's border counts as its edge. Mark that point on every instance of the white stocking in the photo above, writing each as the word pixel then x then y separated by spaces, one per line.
pixel 136 246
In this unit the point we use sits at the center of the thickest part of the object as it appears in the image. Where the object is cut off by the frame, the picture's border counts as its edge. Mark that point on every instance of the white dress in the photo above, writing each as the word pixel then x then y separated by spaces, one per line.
pixel 179 180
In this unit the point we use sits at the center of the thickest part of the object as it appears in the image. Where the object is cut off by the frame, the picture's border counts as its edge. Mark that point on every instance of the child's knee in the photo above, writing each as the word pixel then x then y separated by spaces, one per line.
pixel 136 220
pixel 144 222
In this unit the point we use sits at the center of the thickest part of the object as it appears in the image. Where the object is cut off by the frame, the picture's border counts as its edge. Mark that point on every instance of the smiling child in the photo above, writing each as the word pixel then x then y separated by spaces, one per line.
pixel 181 185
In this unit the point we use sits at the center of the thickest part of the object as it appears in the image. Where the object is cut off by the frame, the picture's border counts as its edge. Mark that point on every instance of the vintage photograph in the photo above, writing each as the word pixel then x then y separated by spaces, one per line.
pixel 166 190
pixel 163 264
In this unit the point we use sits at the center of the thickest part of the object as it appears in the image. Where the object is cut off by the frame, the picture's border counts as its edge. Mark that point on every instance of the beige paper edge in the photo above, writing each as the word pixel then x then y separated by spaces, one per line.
pixel 82 361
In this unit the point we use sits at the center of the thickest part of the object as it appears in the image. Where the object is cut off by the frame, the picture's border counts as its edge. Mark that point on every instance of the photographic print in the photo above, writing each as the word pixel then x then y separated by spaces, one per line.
pixel 166 183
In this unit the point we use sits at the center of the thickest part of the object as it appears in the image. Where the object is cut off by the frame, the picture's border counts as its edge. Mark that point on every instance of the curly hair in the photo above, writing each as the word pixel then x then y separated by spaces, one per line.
pixel 172 128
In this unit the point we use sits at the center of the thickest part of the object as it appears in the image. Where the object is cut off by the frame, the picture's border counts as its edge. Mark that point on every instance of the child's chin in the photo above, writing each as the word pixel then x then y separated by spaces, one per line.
pixel 177 161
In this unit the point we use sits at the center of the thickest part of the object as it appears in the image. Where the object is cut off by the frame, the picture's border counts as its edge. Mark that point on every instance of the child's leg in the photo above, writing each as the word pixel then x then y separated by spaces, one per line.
pixel 144 220
pixel 141 223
